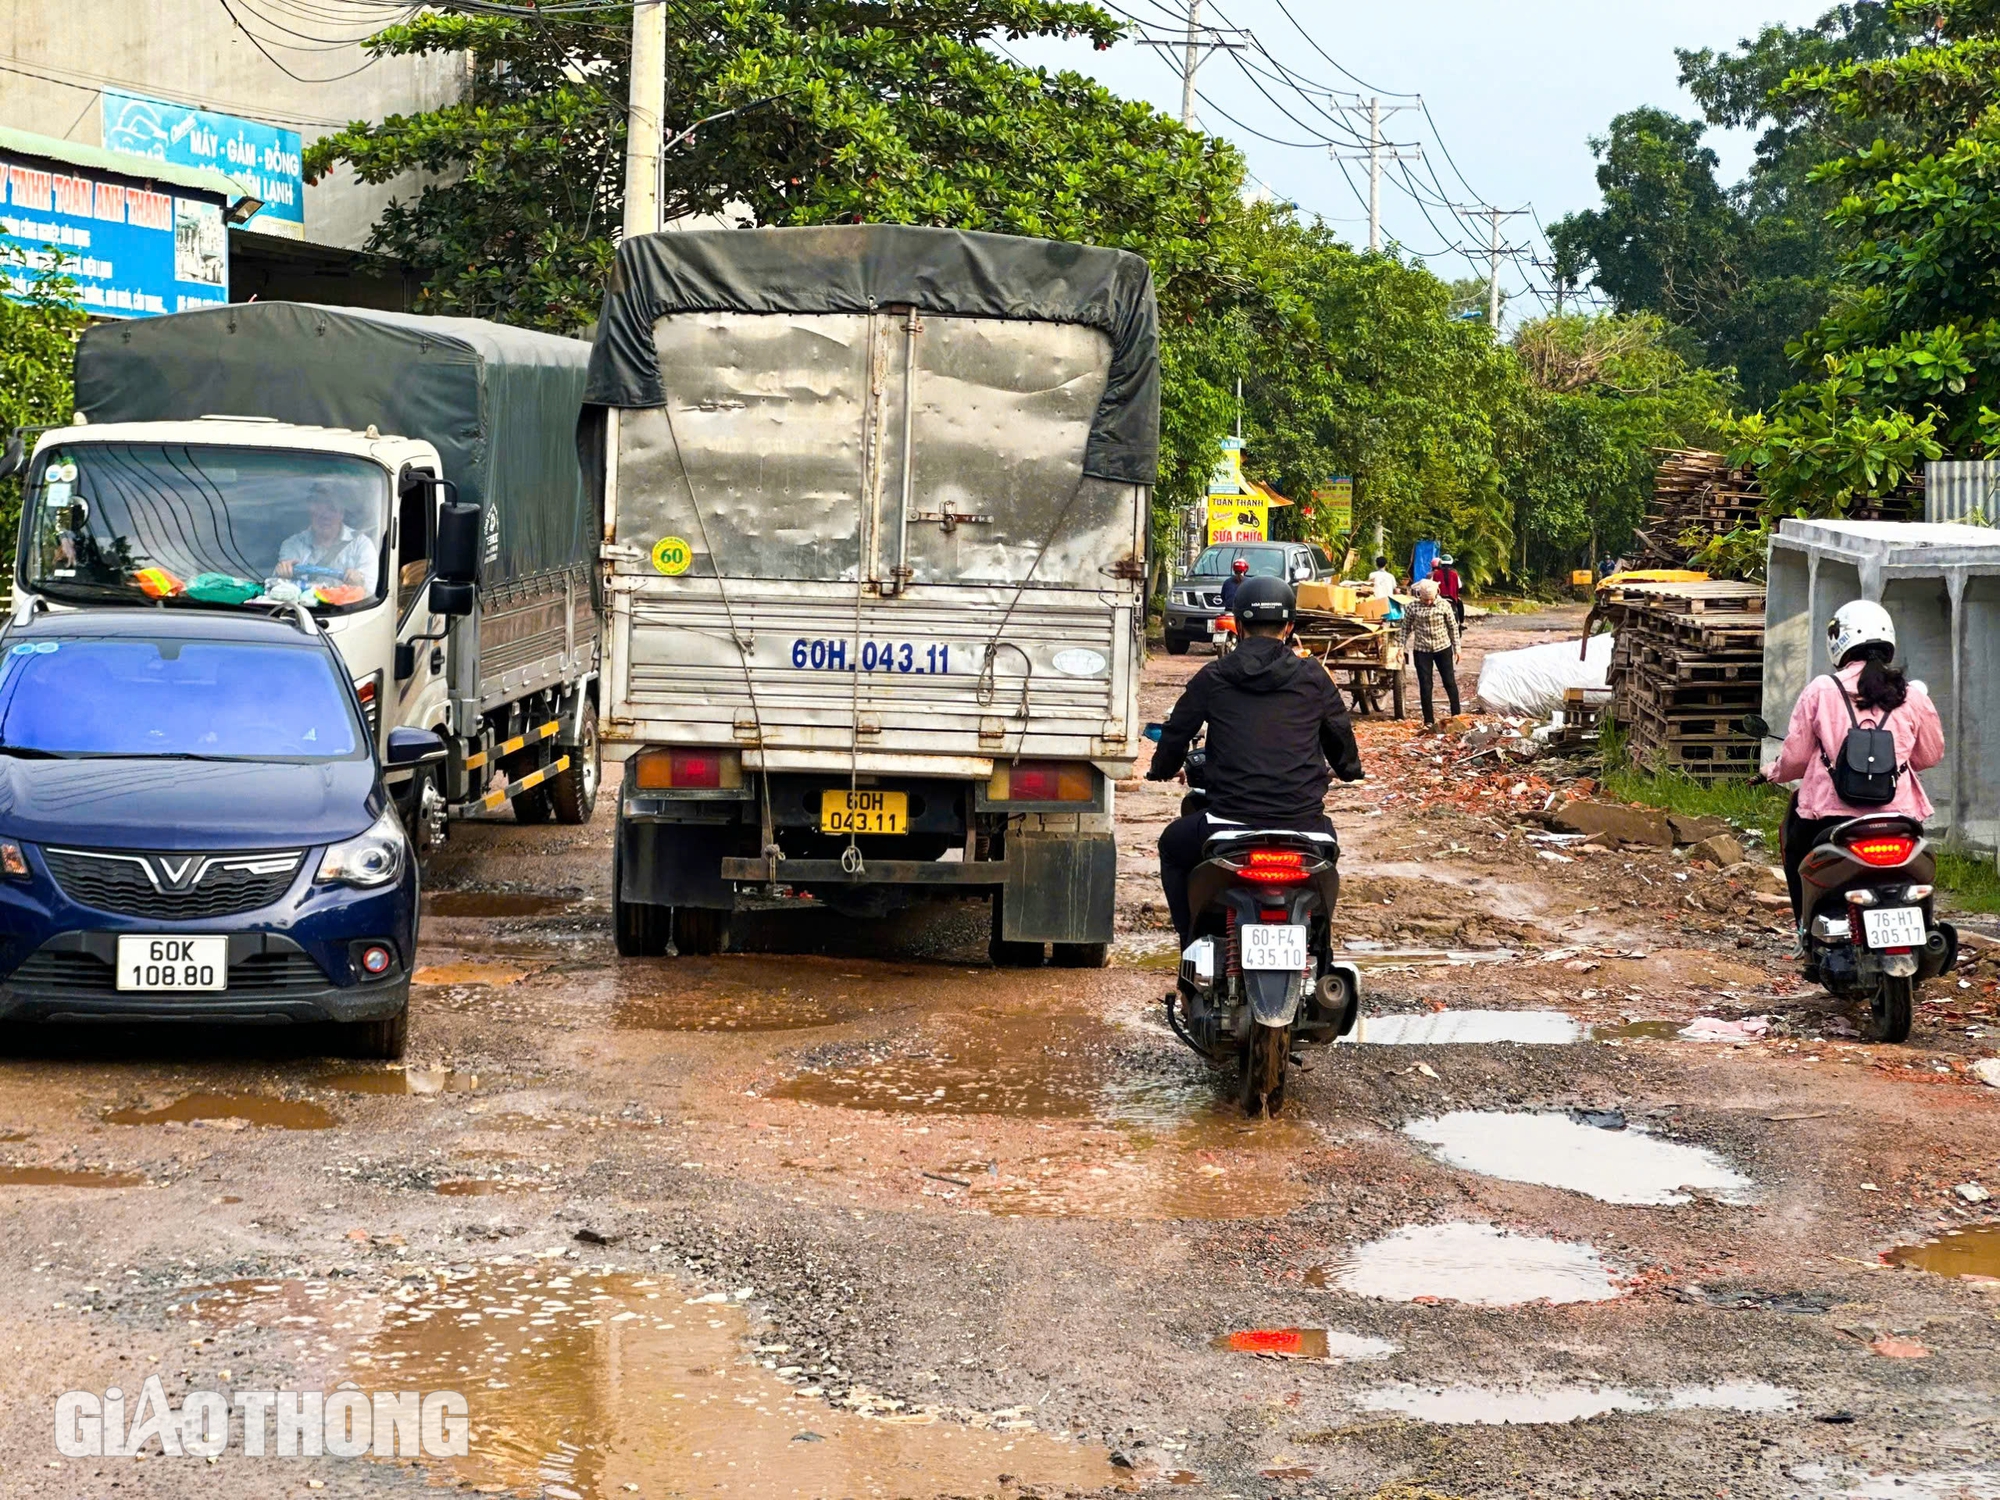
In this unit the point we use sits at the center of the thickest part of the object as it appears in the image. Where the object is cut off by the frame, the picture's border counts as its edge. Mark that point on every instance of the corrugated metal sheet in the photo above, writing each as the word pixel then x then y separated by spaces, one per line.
pixel 1966 492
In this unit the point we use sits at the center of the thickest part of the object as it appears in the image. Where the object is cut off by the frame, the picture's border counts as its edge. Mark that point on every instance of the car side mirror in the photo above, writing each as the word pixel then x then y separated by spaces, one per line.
pixel 15 460
pixel 413 747
pixel 1301 574
pixel 1754 724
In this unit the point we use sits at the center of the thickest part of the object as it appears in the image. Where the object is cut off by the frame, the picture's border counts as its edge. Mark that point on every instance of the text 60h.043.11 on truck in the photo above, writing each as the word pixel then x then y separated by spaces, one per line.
pixel 412 481
pixel 875 508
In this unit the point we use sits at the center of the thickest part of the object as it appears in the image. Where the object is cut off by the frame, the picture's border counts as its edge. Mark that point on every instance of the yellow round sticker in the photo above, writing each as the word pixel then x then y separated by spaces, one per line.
pixel 671 555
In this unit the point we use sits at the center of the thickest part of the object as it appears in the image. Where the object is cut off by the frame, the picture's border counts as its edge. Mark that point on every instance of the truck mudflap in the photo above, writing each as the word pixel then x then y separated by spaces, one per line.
pixel 1059 889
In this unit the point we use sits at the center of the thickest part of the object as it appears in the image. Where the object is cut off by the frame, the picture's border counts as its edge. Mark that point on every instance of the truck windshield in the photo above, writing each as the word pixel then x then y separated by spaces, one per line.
pixel 201 700
pixel 1265 562
pixel 211 524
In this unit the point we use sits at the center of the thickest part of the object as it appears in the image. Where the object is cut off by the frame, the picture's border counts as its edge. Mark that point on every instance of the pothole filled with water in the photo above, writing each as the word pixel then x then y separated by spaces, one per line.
pixel 404 1081
pixel 1613 1166
pixel 1636 1031
pixel 596 1385
pixel 1471 1405
pixel 1477 1027
pixel 1328 1344
pixel 1962 1252
pixel 485 1187
pixel 1476 1264
pixel 468 972
pixel 496 904
pixel 252 1109
pixel 68 1178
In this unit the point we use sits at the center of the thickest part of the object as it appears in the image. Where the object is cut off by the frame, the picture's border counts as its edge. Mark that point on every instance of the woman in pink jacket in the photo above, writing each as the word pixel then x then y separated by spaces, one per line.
pixel 1865 690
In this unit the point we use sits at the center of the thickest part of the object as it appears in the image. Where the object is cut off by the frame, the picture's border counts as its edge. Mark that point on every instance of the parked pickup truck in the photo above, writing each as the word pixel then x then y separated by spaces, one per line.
pixel 875 528
pixel 412 481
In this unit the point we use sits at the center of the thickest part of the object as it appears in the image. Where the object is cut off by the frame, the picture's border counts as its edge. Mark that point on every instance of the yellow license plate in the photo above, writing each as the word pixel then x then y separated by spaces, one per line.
pixel 864 812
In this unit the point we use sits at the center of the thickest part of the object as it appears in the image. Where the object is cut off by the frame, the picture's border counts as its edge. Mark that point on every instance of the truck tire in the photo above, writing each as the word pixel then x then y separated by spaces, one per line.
pixel 573 795
pixel 1080 955
pixel 382 1041
pixel 533 805
pixel 641 930
pixel 700 930
pixel 1010 955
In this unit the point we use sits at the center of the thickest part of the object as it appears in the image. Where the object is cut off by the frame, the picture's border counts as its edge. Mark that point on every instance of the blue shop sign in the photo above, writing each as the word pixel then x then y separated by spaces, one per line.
pixel 265 159
pixel 133 247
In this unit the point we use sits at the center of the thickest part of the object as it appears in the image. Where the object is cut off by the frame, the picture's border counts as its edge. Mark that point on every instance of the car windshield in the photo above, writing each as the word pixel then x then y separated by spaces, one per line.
pixel 1265 562
pixel 206 700
pixel 116 521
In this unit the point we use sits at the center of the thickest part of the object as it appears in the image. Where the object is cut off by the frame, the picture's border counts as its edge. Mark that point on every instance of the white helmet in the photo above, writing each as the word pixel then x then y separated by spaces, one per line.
pixel 1862 623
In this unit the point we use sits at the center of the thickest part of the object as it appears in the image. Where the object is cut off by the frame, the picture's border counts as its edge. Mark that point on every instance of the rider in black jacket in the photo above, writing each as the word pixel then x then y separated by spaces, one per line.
pixel 1276 724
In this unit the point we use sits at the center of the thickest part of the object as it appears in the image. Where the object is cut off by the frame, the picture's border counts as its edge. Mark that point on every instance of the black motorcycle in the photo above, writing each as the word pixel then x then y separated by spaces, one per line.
pixel 1871 927
pixel 1258 974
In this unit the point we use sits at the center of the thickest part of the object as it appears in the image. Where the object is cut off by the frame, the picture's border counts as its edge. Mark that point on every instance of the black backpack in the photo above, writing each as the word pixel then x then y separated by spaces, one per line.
pixel 1865 772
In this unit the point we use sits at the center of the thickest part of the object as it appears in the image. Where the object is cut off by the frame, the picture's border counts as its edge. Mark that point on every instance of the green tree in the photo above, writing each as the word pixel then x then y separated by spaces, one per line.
pixel 40 321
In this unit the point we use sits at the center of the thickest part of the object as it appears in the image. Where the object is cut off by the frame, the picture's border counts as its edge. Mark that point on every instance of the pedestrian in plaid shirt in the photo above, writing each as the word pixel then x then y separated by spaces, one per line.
pixel 1430 637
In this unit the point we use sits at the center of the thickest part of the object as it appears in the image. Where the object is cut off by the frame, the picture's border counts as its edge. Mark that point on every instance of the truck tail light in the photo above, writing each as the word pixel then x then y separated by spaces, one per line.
pixel 1042 781
pixel 687 770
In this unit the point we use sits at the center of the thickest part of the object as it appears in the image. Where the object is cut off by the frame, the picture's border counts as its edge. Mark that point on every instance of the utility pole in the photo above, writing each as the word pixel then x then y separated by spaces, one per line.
pixel 645 114
pixel 1199 41
pixel 1493 276
pixel 1375 155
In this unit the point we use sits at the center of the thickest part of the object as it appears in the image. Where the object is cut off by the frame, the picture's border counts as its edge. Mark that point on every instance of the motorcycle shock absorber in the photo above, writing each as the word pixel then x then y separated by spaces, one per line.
pixel 1233 946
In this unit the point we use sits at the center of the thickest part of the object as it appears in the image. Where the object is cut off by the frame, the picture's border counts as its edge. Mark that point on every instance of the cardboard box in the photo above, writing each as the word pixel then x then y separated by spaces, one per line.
pixel 1319 596
pixel 1372 608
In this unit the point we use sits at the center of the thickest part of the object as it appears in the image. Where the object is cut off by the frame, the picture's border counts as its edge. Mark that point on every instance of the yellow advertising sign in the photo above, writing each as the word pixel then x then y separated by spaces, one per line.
pixel 1237 518
pixel 1333 507
pixel 1226 478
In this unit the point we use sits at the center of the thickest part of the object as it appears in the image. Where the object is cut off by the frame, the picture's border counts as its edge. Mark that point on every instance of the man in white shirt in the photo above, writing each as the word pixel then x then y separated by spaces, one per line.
pixel 329 542
pixel 1381 582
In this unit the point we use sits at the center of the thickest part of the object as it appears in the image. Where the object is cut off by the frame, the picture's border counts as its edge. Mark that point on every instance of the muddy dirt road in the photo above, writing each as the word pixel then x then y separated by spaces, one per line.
pixel 878 1220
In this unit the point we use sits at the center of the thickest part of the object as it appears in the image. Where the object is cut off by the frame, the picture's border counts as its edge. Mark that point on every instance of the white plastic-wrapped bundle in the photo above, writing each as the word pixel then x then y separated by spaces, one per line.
pixel 1532 681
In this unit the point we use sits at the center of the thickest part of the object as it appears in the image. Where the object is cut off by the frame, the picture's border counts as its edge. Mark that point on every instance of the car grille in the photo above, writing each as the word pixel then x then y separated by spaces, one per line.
pixel 86 976
pixel 173 887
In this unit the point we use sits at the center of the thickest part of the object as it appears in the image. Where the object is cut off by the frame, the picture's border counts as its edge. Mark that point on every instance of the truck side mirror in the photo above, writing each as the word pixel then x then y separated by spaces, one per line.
pixel 458 538
pixel 15 460
pixel 453 599
pixel 1754 724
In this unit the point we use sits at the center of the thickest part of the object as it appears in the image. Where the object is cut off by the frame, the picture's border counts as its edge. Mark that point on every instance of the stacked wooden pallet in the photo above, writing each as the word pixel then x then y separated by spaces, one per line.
pixel 1695 491
pixel 1687 666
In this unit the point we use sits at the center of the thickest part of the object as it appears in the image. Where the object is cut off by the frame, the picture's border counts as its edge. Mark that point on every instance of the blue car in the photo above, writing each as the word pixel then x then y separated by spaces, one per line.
pixel 193 827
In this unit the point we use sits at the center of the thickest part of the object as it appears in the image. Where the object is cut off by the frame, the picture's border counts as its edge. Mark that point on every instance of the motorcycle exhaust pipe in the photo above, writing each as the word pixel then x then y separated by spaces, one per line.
pixel 1939 952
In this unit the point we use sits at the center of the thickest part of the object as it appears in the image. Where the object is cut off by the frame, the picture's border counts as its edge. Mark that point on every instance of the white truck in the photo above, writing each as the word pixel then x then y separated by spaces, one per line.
pixel 412 481
pixel 875 505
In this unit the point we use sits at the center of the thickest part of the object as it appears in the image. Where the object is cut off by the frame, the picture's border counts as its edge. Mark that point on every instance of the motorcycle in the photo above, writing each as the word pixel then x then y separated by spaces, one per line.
pixel 1259 974
pixel 1871 928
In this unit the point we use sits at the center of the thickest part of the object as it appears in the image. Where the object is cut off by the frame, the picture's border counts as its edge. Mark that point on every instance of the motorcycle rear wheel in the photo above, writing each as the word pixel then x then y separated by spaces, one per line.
pixel 1892 1009
pixel 1265 1056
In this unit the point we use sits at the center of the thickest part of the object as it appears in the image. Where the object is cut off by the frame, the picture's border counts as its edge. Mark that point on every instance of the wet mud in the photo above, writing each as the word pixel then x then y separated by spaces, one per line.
pixel 403 1081
pixel 1962 1252
pixel 252 1109
pixel 68 1178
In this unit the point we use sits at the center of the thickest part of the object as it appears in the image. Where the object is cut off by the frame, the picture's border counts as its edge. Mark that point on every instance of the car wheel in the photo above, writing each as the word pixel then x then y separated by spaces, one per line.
pixel 1176 646
pixel 573 795
pixel 383 1040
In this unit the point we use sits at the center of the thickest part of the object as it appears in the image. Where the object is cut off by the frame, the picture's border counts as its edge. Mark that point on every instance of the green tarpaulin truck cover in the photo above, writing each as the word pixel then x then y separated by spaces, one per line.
pixel 499 404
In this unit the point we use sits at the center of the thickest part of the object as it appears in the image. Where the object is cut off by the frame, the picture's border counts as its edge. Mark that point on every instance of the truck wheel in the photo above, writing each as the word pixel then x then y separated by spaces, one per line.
pixel 1176 646
pixel 641 929
pixel 383 1040
pixel 573 795
pixel 1010 955
pixel 1080 955
pixel 533 805
pixel 700 929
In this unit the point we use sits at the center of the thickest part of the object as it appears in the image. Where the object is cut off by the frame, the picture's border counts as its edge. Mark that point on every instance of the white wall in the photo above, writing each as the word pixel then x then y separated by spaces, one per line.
pixel 190 52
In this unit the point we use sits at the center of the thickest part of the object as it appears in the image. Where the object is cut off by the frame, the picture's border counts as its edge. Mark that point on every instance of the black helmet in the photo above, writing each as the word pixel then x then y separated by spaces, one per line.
pixel 1265 601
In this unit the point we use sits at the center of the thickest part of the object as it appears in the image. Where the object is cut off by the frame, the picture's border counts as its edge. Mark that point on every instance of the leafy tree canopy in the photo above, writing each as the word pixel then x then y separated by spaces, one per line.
pixel 38 334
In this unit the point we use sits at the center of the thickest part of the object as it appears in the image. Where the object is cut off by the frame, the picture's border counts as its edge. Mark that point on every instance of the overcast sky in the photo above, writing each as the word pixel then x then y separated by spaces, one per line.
pixel 1516 91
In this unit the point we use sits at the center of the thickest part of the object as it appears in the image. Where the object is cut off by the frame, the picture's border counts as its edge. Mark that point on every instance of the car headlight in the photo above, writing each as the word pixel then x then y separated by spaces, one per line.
pixel 368 859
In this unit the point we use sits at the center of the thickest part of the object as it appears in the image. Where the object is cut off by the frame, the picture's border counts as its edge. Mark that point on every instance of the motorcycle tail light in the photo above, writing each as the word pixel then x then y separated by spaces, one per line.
pixel 1274 866
pixel 1883 849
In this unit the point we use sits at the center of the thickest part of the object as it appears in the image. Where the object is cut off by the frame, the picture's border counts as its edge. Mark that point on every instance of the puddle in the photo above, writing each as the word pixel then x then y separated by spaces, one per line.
pixel 753 993
pixel 1530 1027
pixel 1625 1166
pixel 1471 1405
pixel 1965 1252
pixel 1932 1484
pixel 1304 1343
pixel 496 904
pixel 252 1109
pixel 59 1177
pixel 1636 1031
pixel 1476 1264
pixel 594 1385
pixel 468 973
pixel 1379 955
pixel 404 1081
